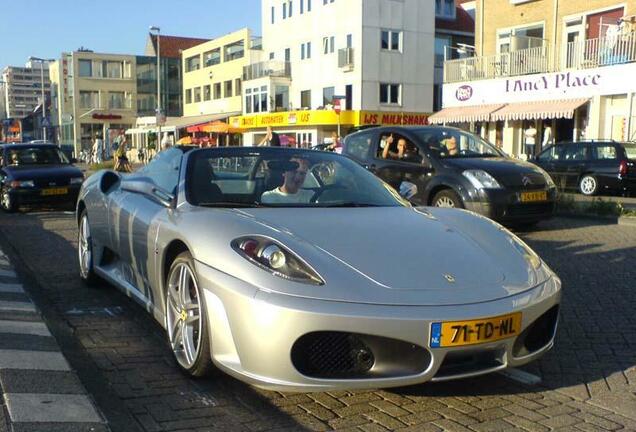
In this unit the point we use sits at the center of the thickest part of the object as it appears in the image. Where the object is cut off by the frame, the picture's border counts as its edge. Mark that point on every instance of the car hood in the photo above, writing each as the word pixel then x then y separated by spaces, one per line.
pixel 508 171
pixel 397 256
pixel 34 172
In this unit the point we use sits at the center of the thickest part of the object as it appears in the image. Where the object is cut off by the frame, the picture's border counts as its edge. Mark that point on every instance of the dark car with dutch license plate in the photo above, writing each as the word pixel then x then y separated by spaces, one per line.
pixel 477 176
pixel 32 174
pixel 591 167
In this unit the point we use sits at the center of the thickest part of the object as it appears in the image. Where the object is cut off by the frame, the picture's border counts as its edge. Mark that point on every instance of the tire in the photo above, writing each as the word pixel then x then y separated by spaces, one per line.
pixel 7 203
pixel 447 198
pixel 85 251
pixel 186 319
pixel 588 185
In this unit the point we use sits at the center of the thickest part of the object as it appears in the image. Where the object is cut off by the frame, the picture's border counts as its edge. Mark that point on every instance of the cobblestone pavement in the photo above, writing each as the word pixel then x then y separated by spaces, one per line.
pixel 588 381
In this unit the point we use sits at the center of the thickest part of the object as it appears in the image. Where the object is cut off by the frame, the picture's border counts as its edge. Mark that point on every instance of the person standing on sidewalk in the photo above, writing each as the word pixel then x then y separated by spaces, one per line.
pixel 98 148
pixel 271 139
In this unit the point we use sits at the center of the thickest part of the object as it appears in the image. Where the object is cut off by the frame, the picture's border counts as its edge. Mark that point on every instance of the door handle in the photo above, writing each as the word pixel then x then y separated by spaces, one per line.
pixel 370 167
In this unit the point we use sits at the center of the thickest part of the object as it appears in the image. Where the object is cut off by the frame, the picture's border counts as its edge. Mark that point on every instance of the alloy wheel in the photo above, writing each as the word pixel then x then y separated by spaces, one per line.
pixel 85 248
pixel 588 185
pixel 183 310
pixel 5 199
pixel 444 201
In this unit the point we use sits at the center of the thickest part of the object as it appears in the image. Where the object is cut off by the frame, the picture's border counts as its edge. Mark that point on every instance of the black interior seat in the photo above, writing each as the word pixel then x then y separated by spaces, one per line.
pixel 204 190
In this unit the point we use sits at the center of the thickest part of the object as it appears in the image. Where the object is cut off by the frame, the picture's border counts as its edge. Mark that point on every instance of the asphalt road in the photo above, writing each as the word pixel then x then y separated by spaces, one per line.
pixel 587 382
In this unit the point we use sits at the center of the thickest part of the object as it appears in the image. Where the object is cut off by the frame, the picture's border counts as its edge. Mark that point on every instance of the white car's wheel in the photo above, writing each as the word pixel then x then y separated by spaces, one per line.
pixel 85 250
pixel 186 320
pixel 588 185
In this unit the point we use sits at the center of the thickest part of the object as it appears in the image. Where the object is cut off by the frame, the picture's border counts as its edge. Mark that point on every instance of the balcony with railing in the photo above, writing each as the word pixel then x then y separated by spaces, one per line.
pixel 270 68
pixel 585 54
pixel 520 62
pixel 605 51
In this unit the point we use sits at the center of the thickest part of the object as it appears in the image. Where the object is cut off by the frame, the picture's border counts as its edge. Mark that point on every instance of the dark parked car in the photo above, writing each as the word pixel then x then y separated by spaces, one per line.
pixel 454 168
pixel 591 166
pixel 36 174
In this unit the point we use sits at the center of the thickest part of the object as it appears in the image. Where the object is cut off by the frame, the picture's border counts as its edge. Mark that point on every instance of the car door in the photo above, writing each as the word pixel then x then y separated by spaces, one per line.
pixel 549 159
pixel 139 219
pixel 576 158
pixel 415 169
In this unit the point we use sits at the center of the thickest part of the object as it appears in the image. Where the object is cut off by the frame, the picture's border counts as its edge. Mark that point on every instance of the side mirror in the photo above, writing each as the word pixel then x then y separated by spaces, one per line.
pixel 407 190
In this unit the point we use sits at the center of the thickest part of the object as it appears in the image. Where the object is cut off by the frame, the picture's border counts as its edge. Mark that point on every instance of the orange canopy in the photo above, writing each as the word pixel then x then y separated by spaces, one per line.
pixel 218 127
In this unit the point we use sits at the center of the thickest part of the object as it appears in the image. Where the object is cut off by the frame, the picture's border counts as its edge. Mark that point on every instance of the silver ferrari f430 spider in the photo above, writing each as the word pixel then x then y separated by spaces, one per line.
pixel 299 270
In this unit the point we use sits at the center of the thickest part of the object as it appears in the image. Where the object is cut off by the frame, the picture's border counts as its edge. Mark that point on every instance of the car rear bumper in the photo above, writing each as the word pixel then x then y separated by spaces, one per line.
pixel 505 206
pixel 30 196
pixel 287 343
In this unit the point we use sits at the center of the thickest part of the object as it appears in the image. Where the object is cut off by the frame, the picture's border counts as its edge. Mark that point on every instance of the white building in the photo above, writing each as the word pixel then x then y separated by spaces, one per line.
pixel 376 56
pixel 22 89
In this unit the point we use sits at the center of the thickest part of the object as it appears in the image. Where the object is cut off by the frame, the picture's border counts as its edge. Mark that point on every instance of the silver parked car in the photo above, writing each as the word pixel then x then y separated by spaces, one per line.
pixel 300 270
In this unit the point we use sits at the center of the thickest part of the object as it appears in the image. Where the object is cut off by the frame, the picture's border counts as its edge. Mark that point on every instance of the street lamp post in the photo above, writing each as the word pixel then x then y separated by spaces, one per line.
pixel 158 114
pixel 41 61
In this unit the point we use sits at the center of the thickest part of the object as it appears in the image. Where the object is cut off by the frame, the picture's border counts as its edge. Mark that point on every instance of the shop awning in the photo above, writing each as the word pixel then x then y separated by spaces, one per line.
pixel 464 114
pixel 175 123
pixel 538 110
pixel 217 126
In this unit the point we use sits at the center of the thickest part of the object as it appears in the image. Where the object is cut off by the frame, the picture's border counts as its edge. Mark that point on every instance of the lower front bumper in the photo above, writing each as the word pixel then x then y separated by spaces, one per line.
pixel 253 334
pixel 506 206
pixel 35 196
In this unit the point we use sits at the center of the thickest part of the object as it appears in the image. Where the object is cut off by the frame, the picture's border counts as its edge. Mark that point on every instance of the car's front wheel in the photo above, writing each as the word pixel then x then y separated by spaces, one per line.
pixel 588 185
pixel 447 198
pixel 186 318
pixel 7 202
pixel 85 250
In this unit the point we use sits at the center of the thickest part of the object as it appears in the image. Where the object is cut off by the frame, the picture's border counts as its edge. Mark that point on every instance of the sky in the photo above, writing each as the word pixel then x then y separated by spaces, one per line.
pixel 46 28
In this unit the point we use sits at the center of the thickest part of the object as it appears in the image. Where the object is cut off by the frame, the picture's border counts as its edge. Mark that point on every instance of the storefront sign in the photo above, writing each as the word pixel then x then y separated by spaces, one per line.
pixel 329 118
pixel 106 116
pixel 584 83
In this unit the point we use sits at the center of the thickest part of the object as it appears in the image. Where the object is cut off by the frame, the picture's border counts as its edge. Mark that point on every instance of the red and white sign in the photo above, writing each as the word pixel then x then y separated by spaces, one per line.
pixel 336 106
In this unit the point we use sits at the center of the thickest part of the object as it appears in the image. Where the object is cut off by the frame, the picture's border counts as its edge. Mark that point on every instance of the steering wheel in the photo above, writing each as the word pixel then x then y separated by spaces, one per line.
pixel 318 193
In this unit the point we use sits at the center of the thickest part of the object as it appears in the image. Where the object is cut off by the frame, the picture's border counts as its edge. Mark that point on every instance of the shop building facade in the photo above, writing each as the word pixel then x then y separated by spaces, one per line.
pixel 548 71
pixel 374 58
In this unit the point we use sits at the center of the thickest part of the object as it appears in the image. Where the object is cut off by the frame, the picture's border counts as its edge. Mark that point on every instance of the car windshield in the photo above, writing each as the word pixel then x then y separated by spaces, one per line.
pixel 454 143
pixel 35 156
pixel 283 178
pixel 630 150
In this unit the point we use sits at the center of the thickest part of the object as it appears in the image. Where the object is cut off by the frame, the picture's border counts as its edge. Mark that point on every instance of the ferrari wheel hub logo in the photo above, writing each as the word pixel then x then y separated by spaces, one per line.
pixel 184 315
pixel 449 278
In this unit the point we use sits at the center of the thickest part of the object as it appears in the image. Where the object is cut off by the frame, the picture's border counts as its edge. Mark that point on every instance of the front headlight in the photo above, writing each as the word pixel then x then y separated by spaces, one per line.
pixel 276 259
pixel 22 184
pixel 77 180
pixel 481 179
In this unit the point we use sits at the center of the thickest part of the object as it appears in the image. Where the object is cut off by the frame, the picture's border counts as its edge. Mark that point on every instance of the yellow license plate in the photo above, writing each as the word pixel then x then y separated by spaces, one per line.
pixel 461 333
pixel 534 196
pixel 55 191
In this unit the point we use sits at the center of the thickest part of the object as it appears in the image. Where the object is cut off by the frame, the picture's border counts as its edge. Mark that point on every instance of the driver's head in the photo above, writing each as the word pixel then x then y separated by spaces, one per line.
pixel 294 179
pixel 402 145
pixel 451 146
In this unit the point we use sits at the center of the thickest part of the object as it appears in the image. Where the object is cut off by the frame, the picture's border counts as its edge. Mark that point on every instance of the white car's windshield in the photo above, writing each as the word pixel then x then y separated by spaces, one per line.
pixel 283 178
pixel 453 143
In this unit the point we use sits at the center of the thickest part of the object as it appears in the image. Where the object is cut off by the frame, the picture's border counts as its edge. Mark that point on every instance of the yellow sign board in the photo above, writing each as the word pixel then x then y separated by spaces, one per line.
pixel 328 118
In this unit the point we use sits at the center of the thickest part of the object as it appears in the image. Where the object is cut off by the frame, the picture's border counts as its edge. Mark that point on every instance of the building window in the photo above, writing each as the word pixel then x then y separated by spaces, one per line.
pixel 445 8
pixel 273 14
pixel 285 10
pixel 271 56
pixel 349 41
pixel 197 94
pixel 116 100
pixel 207 92
pixel 228 88
pixel 217 91
pixel 189 96
pixel 305 50
pixel 113 69
pixel 441 42
pixel 308 5
pixel 305 99
pixel 327 95
pixel 89 99
pixel 237 87
pixel 390 93
pixel 290 8
pixel 391 40
pixel 328 44
pixel 193 63
pixel 85 68
pixel 302 7
pixel 212 58
pixel 234 51
pixel 256 100
pixel 327 1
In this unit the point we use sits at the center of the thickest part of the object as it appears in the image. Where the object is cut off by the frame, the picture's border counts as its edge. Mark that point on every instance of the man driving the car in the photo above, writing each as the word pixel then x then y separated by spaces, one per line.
pixel 451 146
pixel 290 191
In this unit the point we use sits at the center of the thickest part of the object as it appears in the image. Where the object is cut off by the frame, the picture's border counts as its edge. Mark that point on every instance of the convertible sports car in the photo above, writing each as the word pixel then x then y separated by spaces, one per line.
pixel 299 270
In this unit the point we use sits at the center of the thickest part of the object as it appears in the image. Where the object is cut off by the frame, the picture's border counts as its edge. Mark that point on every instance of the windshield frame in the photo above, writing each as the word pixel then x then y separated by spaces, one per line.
pixel 390 196
pixel 19 148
